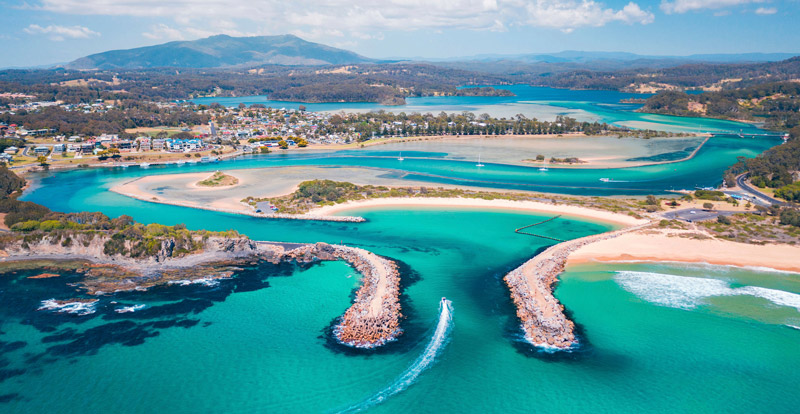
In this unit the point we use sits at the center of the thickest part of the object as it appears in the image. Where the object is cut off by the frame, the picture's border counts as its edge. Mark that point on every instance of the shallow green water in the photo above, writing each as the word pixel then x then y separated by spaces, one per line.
pixel 257 343
pixel 660 338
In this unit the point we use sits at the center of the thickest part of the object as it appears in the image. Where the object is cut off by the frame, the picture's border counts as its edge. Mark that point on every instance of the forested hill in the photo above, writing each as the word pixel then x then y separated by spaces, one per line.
pixel 221 51
pixel 776 103
pixel 714 76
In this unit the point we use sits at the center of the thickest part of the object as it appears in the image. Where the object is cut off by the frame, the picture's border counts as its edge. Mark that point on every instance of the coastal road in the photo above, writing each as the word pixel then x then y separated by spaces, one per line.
pixel 741 181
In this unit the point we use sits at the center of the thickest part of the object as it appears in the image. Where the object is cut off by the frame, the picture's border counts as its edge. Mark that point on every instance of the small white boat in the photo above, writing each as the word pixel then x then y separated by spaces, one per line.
pixel 605 180
pixel 179 163
pixel 543 169
pixel 144 165
pixel 479 164
pixel 400 158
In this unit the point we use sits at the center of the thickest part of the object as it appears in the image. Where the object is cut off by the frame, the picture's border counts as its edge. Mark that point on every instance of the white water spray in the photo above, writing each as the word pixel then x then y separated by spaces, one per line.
pixel 423 362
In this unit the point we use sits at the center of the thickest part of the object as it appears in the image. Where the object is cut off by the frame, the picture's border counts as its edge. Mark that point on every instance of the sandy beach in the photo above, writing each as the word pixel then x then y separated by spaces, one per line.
pixel 667 246
pixel 535 206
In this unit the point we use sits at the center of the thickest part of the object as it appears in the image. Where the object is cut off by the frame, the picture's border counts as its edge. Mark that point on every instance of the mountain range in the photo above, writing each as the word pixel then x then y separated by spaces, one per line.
pixel 221 51
pixel 224 51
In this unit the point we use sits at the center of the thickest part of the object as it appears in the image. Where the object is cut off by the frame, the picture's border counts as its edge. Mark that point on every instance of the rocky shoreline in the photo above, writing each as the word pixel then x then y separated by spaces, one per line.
pixel 371 321
pixel 541 315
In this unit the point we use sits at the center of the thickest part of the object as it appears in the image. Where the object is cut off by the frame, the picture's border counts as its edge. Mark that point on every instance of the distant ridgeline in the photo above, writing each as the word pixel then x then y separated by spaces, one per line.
pixel 683 76
pixel 372 82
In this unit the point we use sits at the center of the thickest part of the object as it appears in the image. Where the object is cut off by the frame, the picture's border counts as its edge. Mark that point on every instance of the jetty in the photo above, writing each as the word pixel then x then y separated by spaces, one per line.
pixel 374 318
pixel 531 285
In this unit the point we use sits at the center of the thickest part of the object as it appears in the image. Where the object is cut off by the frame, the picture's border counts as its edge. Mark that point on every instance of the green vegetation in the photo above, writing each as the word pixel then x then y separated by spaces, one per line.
pixel 789 192
pixel 219 179
pixel 316 193
pixel 567 160
pixel 31 223
pixel 484 91
pixel 782 226
pixel 778 103
pixel 710 195
pixel 773 168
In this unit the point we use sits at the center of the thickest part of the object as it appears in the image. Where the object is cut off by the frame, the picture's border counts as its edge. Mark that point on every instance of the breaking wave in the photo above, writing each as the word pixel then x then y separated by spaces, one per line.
pixel 80 308
pixel 685 292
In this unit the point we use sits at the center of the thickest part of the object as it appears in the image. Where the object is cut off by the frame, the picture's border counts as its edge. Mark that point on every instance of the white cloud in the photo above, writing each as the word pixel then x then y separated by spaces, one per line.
pixel 59 33
pixel 163 32
pixel 367 18
pixel 683 6
pixel 569 15
pixel 766 10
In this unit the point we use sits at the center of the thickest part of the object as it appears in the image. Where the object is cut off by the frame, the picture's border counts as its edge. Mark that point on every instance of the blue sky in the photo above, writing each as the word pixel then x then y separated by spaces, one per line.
pixel 39 32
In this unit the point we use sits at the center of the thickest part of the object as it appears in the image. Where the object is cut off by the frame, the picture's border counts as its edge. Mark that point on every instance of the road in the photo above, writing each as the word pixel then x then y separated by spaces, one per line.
pixel 741 181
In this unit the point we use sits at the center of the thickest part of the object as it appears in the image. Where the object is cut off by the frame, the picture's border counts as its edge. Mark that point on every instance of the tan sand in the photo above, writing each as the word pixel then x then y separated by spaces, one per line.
pixel 568 210
pixel 667 246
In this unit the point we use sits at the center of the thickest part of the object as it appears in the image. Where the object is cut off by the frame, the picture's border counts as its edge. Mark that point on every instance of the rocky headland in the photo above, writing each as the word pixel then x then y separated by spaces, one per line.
pixel 372 320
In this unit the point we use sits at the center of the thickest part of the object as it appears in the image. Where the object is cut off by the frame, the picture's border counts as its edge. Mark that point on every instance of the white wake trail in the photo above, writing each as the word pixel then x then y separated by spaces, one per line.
pixel 423 362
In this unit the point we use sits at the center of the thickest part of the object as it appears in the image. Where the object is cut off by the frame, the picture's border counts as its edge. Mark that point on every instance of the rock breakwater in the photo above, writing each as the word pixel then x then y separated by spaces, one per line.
pixel 541 315
pixel 374 318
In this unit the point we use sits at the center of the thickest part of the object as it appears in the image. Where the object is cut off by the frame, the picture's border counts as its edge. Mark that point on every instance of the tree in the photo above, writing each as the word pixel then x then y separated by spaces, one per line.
pixel 708 206
pixel 42 160
pixel 283 144
pixel 302 143
pixel 651 200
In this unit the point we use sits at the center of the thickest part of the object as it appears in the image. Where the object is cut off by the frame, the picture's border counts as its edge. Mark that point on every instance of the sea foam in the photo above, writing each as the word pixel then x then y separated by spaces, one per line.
pixel 685 292
pixel 128 309
pixel 75 308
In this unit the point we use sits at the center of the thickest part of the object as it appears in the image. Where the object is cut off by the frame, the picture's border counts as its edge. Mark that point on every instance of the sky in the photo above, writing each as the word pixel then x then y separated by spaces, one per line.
pixel 43 32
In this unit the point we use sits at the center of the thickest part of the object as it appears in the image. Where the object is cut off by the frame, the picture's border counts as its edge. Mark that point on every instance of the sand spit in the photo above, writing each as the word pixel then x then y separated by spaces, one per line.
pixel 130 189
pixel 531 285
pixel 537 206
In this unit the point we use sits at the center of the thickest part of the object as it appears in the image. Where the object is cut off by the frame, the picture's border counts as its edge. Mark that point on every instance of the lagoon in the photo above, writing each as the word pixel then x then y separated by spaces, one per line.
pixel 534 102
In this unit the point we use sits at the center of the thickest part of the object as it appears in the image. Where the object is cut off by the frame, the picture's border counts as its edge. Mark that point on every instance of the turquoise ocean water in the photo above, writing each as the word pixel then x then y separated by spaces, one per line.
pixel 654 337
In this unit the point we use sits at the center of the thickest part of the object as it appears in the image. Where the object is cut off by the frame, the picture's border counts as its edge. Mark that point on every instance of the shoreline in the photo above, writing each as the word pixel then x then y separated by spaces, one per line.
pixel 331 213
pixel 128 189
pixel 655 246
pixel 499 204
pixel 372 320
pixel 531 285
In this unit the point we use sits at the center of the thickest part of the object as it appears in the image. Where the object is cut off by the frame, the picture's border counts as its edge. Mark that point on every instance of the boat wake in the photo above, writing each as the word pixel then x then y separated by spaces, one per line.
pixel 423 362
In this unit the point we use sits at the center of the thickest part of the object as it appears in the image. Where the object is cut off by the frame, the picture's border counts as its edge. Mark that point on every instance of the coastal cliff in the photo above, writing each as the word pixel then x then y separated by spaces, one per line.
pixel 371 321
